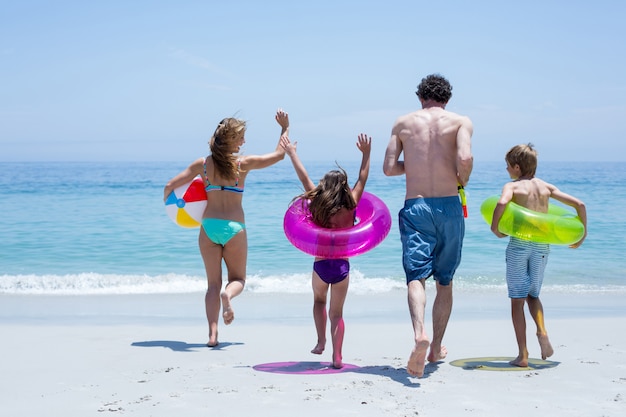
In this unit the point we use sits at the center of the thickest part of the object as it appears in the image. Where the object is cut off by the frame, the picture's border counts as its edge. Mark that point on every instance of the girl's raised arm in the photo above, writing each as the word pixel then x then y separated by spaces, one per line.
pixel 364 144
pixel 263 161
pixel 303 176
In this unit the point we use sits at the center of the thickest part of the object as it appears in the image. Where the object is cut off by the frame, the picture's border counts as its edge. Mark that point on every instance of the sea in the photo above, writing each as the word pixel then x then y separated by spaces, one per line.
pixel 83 228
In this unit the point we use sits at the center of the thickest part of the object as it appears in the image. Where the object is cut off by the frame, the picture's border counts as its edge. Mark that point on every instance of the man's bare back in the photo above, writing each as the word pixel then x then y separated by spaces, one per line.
pixel 436 147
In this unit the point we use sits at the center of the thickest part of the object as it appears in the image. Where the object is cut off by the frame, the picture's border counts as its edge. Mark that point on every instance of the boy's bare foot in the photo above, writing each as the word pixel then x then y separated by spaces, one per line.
pixel 546 347
pixel 417 359
pixel 318 349
pixel 227 311
pixel 435 356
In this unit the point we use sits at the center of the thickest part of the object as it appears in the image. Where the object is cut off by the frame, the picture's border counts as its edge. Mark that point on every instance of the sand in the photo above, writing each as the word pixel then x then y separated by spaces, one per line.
pixel 145 355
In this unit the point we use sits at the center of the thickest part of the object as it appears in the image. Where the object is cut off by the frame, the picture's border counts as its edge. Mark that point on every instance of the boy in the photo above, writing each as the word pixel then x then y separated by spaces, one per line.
pixel 526 260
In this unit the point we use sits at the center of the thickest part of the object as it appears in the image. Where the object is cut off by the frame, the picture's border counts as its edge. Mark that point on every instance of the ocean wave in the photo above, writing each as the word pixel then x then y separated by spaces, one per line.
pixel 116 284
pixel 92 284
pixel 102 284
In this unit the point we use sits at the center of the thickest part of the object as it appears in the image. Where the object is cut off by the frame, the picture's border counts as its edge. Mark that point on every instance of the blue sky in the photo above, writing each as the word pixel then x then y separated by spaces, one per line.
pixel 149 80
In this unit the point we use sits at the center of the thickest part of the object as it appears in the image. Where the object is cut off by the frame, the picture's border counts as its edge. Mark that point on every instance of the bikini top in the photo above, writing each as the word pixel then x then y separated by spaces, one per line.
pixel 232 188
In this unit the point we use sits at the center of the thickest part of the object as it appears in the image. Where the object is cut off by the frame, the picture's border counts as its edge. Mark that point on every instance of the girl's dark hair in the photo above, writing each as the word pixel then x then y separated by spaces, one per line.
pixel 331 195
pixel 223 144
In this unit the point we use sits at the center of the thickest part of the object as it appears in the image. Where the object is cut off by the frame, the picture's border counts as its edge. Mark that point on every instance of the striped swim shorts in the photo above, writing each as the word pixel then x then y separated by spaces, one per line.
pixel 525 264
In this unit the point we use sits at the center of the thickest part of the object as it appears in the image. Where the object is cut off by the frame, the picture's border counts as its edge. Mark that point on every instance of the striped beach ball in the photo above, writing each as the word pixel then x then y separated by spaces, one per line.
pixel 185 205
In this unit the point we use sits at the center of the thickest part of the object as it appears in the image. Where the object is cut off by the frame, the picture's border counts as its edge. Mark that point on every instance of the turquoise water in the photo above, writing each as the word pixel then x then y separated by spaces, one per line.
pixel 84 228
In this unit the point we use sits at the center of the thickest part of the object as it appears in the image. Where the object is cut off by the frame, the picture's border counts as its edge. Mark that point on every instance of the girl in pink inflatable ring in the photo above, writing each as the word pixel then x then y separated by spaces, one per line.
pixel 332 204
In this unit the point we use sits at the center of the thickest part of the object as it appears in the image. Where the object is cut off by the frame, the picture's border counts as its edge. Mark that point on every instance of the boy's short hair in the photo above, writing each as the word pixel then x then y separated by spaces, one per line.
pixel 434 87
pixel 525 156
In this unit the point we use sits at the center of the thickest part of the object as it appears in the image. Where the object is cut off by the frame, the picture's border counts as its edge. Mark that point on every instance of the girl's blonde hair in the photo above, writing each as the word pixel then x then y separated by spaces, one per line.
pixel 525 156
pixel 331 195
pixel 223 144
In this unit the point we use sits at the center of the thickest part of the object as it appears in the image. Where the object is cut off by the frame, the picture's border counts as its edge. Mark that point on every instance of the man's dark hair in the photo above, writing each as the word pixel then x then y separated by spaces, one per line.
pixel 434 87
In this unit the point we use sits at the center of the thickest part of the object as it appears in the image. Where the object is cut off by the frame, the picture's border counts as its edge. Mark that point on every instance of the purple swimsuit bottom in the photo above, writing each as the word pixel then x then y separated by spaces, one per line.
pixel 332 271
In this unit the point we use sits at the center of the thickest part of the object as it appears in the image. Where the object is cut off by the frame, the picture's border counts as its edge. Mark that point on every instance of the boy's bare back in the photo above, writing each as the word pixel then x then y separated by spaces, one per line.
pixel 534 193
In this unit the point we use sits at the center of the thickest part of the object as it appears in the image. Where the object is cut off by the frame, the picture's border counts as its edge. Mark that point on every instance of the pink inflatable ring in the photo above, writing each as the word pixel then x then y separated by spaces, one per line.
pixel 372 225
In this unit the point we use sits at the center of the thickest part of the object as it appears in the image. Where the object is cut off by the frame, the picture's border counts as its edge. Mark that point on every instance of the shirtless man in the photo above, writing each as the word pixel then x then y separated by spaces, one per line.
pixel 437 159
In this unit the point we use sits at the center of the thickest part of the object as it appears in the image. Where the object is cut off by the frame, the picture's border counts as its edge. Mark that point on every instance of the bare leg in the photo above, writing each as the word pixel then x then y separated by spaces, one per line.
pixel 235 257
pixel 212 257
pixel 319 317
pixel 212 308
pixel 233 289
pixel 417 307
pixel 338 294
pixel 519 325
pixel 337 328
pixel 536 311
pixel 442 308
pixel 320 291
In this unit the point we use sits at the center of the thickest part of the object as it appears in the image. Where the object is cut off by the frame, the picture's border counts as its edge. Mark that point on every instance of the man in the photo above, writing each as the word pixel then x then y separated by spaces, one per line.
pixel 437 160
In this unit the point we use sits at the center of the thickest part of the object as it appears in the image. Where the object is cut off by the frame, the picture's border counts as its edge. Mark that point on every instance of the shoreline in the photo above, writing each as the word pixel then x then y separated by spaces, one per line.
pixel 285 307
pixel 146 355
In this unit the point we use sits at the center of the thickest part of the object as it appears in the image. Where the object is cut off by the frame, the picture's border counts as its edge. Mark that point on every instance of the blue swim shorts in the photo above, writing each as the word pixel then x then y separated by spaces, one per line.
pixel 525 264
pixel 432 231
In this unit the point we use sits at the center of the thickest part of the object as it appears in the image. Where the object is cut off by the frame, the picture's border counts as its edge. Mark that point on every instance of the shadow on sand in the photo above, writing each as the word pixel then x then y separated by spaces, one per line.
pixel 501 363
pixel 179 346
pixel 324 368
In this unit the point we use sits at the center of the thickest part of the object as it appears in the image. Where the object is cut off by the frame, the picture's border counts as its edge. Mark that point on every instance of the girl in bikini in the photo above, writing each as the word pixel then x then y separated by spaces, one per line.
pixel 223 233
pixel 332 204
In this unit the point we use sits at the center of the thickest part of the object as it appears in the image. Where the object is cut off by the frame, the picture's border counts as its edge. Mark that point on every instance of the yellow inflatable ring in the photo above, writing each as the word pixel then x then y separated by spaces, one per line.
pixel 558 226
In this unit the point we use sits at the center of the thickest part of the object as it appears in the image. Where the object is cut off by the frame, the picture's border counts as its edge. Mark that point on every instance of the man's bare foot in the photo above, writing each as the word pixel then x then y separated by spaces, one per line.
pixel 417 359
pixel 546 347
pixel 318 349
pixel 227 311
pixel 434 356
pixel 520 361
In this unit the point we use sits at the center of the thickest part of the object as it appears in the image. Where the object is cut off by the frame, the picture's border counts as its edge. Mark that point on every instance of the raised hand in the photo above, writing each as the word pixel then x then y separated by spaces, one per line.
pixel 364 143
pixel 282 117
